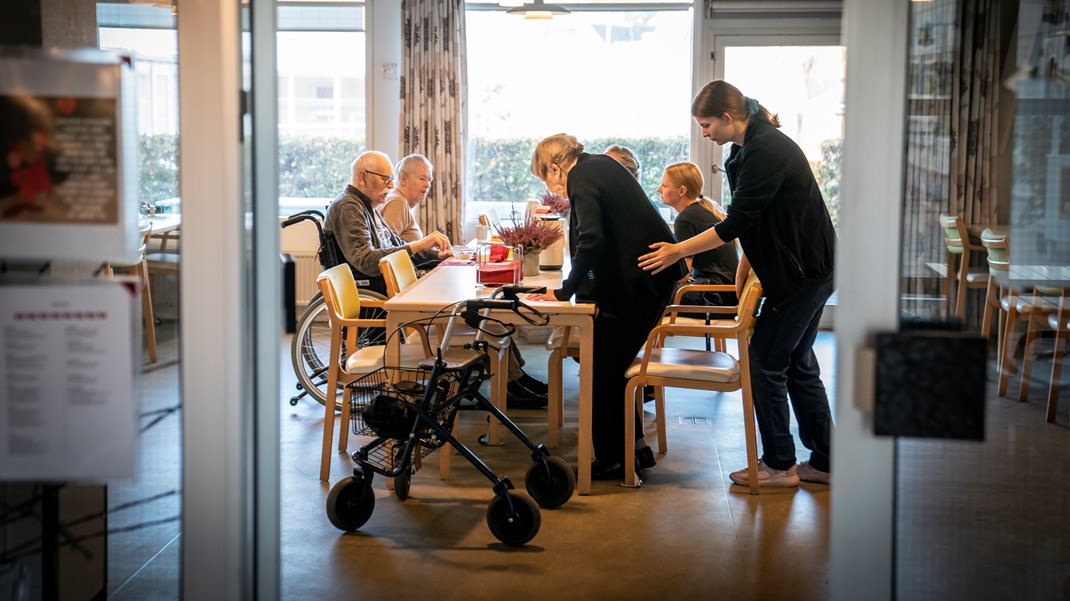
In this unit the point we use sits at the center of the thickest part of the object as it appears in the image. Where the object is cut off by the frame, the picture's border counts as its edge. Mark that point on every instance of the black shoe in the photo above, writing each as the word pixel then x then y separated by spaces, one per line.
pixel 532 384
pixel 518 397
pixel 602 471
pixel 644 457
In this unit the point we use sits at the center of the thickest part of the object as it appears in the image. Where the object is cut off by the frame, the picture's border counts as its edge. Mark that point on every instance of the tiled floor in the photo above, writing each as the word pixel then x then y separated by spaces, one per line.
pixel 976 520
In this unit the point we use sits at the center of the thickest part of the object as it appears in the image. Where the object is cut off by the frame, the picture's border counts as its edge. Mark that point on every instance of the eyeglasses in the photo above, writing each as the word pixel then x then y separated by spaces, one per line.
pixel 386 178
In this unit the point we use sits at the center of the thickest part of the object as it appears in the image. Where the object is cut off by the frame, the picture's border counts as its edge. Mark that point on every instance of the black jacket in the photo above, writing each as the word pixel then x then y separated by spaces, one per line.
pixel 777 213
pixel 615 223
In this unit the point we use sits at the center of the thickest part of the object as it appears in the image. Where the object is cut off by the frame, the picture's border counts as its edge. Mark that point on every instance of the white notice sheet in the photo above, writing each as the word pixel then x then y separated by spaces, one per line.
pixel 67 405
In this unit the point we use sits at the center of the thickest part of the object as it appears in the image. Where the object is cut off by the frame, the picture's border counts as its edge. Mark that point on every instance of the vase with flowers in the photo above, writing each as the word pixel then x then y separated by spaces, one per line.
pixel 560 205
pixel 533 235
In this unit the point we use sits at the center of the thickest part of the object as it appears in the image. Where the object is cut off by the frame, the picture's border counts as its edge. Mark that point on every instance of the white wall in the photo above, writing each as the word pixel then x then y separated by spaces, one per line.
pixel 383 75
pixel 867 268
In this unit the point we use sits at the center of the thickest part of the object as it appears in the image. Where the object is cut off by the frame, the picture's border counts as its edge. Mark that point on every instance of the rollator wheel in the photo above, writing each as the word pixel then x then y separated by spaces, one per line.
pixel 516 528
pixel 402 481
pixel 350 503
pixel 550 486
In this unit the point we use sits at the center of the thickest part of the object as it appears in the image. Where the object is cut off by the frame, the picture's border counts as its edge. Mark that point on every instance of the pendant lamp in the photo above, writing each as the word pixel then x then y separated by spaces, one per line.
pixel 537 9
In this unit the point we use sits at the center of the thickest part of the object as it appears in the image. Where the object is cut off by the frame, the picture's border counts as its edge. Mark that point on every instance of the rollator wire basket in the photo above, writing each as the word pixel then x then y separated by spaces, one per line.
pixel 381 407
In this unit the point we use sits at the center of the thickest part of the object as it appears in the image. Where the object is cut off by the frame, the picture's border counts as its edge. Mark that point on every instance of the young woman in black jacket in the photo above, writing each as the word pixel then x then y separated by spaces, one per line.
pixel 787 236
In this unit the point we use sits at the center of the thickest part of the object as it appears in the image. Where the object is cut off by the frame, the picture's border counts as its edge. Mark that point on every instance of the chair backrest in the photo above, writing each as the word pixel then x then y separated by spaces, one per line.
pixel 996 245
pixel 340 292
pixel 748 305
pixel 398 271
pixel 954 233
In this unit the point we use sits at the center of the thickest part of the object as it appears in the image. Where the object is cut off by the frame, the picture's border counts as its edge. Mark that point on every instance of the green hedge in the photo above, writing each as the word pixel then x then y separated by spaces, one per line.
pixel 319 167
pixel 503 172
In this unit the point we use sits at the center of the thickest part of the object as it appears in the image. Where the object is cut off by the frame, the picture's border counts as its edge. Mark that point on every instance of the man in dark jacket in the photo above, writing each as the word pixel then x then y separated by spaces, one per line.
pixel 787 236
pixel 615 222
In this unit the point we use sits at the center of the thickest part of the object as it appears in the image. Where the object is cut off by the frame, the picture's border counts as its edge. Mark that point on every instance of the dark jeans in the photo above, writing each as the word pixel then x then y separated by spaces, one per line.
pixel 783 364
pixel 617 340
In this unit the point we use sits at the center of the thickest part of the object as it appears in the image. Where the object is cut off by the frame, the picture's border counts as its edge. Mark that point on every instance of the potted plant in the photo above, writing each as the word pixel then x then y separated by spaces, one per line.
pixel 532 235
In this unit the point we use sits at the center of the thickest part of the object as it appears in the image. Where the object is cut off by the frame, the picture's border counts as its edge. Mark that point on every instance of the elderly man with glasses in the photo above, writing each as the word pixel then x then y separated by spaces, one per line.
pixel 359 230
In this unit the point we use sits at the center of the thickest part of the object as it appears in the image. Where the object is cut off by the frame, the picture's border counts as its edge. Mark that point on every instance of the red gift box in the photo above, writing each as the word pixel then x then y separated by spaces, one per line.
pixel 495 268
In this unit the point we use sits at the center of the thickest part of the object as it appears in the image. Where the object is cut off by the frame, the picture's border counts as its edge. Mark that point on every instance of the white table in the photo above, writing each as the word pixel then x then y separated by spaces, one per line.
pixel 449 284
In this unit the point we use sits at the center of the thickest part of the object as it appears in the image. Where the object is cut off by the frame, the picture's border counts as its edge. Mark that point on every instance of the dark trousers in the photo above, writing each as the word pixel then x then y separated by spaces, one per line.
pixel 783 364
pixel 617 340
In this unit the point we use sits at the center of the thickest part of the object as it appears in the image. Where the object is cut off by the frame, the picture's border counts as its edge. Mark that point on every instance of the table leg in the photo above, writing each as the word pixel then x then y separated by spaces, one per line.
pixel 584 452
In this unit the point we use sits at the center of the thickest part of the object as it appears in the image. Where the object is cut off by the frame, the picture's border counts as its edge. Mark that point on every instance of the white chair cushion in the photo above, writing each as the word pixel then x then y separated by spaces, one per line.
pixel 686 364
pixel 370 358
pixel 554 341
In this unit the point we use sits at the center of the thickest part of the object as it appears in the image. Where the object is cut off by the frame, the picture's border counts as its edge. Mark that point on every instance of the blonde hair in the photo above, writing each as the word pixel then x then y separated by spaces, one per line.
pixel 558 149
pixel 688 175
pixel 719 97
pixel 625 156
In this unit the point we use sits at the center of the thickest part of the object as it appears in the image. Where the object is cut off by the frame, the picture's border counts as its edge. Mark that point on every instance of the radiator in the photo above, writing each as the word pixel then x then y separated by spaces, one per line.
pixel 306 268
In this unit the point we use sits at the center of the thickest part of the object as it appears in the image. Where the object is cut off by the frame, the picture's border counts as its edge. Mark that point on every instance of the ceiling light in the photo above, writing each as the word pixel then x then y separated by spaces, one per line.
pixel 537 9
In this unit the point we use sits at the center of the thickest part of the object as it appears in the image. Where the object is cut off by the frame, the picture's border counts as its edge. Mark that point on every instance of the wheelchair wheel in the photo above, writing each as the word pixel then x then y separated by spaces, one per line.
pixel 515 527
pixel 350 503
pixel 550 485
pixel 311 345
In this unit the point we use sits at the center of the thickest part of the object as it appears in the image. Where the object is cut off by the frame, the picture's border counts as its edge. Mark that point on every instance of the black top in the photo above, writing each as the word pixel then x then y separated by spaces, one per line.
pixel 718 266
pixel 614 224
pixel 777 213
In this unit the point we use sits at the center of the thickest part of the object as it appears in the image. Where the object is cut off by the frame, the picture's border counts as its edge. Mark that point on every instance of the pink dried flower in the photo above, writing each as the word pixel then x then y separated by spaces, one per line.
pixel 556 202
pixel 533 234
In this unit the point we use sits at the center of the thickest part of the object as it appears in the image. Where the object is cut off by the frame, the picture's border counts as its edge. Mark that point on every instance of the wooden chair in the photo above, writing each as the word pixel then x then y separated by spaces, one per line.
pixel 165 258
pixel 957 241
pixel 995 244
pixel 1060 322
pixel 343 309
pixel 140 269
pixel 661 366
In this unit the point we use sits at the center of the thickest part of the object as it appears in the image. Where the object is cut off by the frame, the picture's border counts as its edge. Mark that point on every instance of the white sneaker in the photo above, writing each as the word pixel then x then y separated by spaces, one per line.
pixel 812 474
pixel 768 476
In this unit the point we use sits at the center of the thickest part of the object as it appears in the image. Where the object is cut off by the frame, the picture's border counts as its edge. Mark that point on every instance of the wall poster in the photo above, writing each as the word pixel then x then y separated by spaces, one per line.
pixel 68 181
pixel 67 391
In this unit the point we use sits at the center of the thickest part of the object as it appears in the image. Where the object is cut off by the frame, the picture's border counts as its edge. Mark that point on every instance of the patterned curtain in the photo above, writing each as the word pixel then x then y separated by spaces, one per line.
pixel 928 147
pixel 434 105
pixel 952 135
pixel 975 107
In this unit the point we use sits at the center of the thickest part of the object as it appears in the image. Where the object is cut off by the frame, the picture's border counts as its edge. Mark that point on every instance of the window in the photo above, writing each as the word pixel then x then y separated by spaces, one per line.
pixel 321 93
pixel 587 74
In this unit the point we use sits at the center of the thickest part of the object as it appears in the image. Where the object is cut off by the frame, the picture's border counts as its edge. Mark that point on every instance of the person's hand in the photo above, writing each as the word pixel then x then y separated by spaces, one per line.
pixel 664 254
pixel 545 296
pixel 433 240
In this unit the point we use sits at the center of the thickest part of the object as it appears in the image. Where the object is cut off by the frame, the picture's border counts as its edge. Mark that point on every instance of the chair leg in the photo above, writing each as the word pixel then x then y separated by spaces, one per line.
pixel 328 422
pixel 659 419
pixel 1027 359
pixel 146 311
pixel 1007 351
pixel 986 318
pixel 945 286
pixel 343 424
pixel 960 288
pixel 632 398
pixel 1056 373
